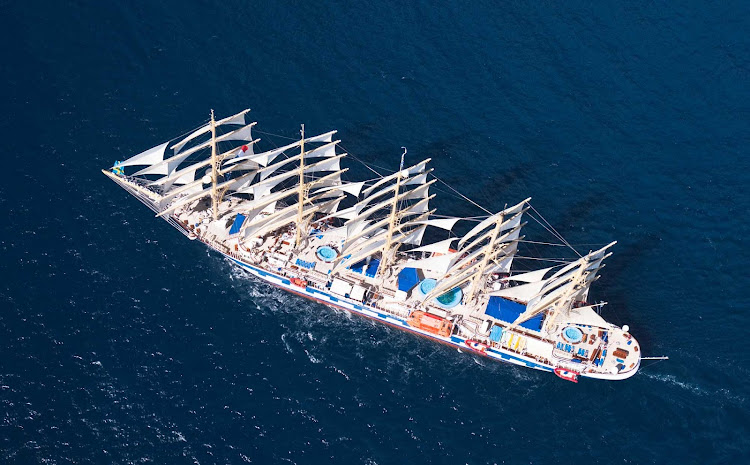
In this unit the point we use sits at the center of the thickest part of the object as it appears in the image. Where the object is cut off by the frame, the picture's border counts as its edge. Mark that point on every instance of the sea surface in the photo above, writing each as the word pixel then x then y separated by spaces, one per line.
pixel 122 342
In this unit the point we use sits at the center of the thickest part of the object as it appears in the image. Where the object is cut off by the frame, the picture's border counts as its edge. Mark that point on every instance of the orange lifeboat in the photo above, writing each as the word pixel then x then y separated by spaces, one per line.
pixel 299 282
pixel 430 323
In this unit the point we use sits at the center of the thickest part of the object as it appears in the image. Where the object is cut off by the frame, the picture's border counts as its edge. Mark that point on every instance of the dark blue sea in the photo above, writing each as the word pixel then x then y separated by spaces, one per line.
pixel 122 342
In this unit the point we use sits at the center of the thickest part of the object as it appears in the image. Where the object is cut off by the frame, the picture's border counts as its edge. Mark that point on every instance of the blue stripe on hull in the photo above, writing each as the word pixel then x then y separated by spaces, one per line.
pixel 372 313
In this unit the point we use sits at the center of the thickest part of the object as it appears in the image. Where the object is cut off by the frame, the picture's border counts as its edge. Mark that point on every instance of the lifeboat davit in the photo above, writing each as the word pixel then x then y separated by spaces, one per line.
pixel 567 374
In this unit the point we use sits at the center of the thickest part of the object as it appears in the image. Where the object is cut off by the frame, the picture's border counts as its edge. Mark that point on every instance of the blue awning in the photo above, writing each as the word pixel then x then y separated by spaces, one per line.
pixel 507 310
pixel 407 279
pixel 372 268
pixel 238 220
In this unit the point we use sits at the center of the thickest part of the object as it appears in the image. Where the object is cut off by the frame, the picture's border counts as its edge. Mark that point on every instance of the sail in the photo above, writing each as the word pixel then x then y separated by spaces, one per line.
pixel 327 137
pixel 388 203
pixel 437 263
pixel 442 247
pixel 283 217
pixel 351 188
pixel 376 244
pixel 412 170
pixel 358 227
pixel 530 277
pixel 267 183
pixel 522 293
pixel 231 184
pixel 370 195
pixel 492 219
pixel 567 286
pixel 187 174
pixel 470 267
pixel 329 152
pixel 239 118
pixel 442 223
pixel 169 165
pixel 148 157
pixel 267 157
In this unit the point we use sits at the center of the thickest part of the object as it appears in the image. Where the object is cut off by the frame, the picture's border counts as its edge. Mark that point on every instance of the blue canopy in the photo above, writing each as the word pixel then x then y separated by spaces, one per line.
pixel 372 268
pixel 507 310
pixel 362 266
pixel 407 279
pixel 238 220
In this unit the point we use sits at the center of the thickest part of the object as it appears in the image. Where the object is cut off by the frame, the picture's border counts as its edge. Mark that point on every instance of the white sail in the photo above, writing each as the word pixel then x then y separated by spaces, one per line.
pixel 370 195
pixel 351 188
pixel 282 218
pixel 327 137
pixel 530 277
pixel 330 153
pixel 328 150
pixel 412 170
pixel 567 286
pixel 169 165
pixel 239 118
pixel 442 223
pixel 167 181
pixel 437 263
pixel 267 157
pixel 469 267
pixel 231 184
pixel 413 237
pixel 442 247
pixel 358 227
pixel 492 219
pixel 522 293
pixel 375 244
pixel 266 184
pixel 148 157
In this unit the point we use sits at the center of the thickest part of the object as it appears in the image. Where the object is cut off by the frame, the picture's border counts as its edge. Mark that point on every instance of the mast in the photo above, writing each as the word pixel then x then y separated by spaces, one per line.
pixel 300 188
pixel 392 219
pixel 486 259
pixel 214 171
pixel 564 303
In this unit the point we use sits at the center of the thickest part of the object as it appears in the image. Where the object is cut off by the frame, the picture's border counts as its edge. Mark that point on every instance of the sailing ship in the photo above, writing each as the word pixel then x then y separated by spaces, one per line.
pixel 287 216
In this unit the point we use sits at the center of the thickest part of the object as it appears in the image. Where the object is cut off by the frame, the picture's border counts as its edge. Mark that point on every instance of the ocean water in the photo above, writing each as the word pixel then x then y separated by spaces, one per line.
pixel 121 342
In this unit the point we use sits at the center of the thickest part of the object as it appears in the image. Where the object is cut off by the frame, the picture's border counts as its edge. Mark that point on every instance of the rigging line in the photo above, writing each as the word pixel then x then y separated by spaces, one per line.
pixel 541 224
pixel 652 364
pixel 562 245
pixel 559 236
pixel 459 196
pixel 472 218
pixel 463 196
pixel 555 233
pixel 363 163
pixel 543 243
pixel 553 260
pixel 275 135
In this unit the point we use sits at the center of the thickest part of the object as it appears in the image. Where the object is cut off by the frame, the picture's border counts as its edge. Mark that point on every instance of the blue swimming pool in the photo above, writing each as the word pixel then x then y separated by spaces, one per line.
pixel 326 253
pixel 427 285
pixel 572 334
pixel 447 300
